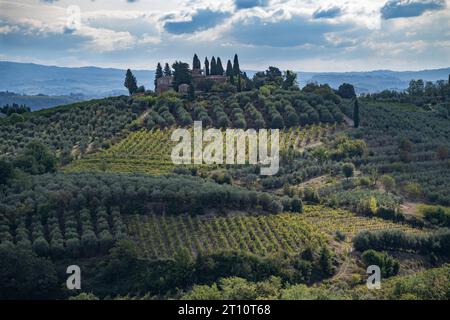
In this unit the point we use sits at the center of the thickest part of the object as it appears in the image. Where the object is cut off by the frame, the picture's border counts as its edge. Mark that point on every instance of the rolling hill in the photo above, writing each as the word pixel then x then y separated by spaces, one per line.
pixel 62 84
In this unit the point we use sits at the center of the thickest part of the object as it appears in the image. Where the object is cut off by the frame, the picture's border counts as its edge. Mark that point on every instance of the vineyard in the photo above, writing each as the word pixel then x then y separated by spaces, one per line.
pixel 149 151
pixel 145 151
pixel 330 221
pixel 164 236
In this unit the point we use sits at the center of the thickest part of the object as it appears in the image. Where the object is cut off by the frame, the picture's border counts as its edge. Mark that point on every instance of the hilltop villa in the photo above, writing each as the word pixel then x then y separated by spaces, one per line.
pixel 164 83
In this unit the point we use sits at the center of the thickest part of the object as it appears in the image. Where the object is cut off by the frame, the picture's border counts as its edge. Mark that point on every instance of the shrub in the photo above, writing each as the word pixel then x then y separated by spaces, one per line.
pixel 388 265
pixel 436 215
pixel 413 189
pixel 340 236
pixel 348 169
pixel 297 205
pixel 388 182
pixel 311 195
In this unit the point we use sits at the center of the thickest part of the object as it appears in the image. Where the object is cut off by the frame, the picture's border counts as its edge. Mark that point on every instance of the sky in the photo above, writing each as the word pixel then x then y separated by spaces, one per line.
pixel 301 35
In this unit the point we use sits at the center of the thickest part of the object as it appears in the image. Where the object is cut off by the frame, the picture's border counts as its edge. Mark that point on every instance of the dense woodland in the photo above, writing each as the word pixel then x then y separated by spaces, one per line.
pixel 362 181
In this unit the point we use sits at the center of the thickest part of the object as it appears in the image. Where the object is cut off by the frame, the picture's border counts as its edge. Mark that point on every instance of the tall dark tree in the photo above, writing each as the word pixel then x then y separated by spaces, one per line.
pixel 213 70
pixel 219 67
pixel 326 262
pixel 446 92
pixel 237 71
pixel 130 82
pixel 196 64
pixel 158 74
pixel 191 93
pixel 356 113
pixel 236 67
pixel 229 73
pixel 181 74
pixel 167 70
pixel 206 66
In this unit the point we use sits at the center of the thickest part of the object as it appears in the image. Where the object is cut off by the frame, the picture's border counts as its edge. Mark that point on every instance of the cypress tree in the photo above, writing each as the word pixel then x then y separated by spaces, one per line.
pixel 219 67
pixel 213 70
pixel 158 74
pixel 167 70
pixel 236 67
pixel 229 73
pixel 206 66
pixel 356 114
pixel 237 71
pixel 239 82
pixel 325 261
pixel 191 92
pixel 130 82
pixel 196 62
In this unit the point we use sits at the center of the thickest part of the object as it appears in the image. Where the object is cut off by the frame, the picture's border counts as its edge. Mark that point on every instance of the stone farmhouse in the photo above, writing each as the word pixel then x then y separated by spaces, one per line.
pixel 164 83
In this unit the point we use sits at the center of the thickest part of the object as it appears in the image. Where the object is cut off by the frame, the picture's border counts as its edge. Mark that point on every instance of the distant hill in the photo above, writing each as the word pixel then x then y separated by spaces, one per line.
pixel 66 84
pixel 40 101
pixel 92 82
pixel 374 81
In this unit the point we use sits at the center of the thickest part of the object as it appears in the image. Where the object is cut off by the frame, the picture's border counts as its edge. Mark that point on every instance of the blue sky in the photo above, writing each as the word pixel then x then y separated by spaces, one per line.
pixel 306 35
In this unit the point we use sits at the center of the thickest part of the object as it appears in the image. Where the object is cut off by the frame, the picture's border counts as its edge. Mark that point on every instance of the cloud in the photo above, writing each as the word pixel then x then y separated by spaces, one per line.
pixel 8 29
pixel 135 22
pixel 201 20
pixel 291 34
pixel 247 4
pixel 104 40
pixel 294 30
pixel 410 8
pixel 332 12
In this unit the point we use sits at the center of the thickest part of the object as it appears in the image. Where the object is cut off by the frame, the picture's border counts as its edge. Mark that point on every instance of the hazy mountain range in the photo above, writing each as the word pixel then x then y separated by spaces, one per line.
pixel 374 81
pixel 74 84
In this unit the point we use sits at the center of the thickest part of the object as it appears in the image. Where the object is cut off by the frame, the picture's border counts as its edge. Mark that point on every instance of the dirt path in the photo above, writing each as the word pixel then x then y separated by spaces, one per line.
pixel 144 115
pixel 410 208
pixel 343 268
pixel 349 121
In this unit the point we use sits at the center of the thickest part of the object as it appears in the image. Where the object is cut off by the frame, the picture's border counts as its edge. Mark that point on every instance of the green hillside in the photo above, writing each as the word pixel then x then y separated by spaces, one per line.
pixel 93 183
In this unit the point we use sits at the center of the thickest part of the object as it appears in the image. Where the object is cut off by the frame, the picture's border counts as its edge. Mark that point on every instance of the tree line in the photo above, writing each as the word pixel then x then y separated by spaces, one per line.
pixel 437 243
